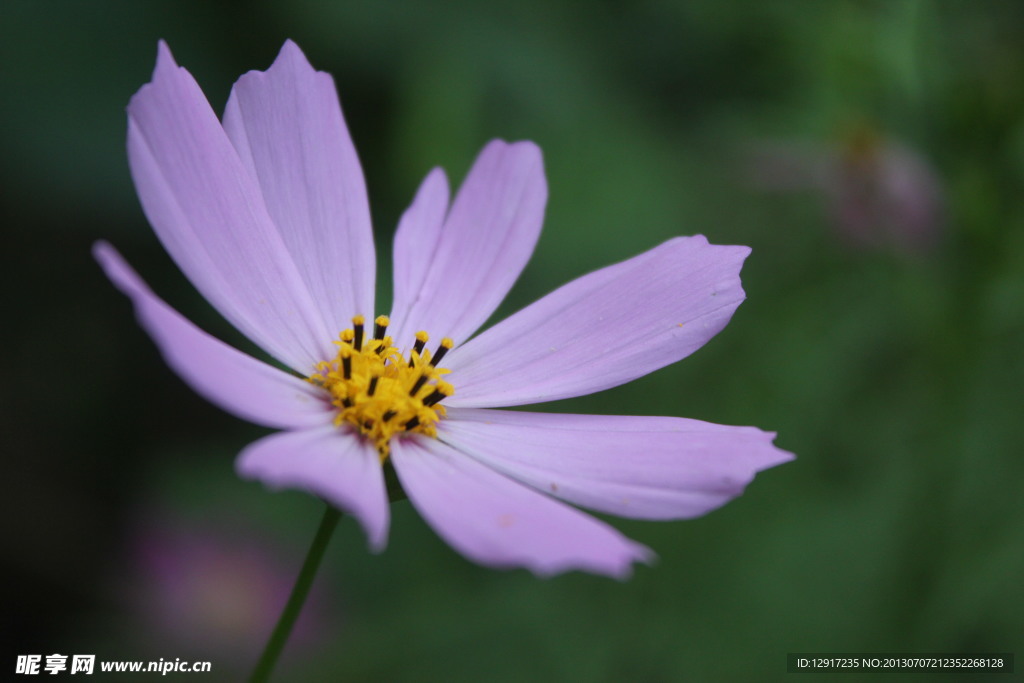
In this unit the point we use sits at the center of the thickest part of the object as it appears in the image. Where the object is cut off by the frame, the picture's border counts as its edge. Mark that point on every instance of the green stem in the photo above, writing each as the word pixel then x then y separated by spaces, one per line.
pixel 302 585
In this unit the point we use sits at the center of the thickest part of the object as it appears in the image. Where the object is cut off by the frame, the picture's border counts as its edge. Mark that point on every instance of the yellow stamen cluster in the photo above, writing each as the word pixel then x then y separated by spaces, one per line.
pixel 378 390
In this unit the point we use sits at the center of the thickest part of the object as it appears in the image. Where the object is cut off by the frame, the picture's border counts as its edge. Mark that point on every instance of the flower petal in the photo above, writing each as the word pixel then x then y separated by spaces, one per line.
pixel 330 462
pixel 641 467
pixel 603 329
pixel 208 212
pixel 476 256
pixel 288 128
pixel 496 521
pixel 416 240
pixel 230 379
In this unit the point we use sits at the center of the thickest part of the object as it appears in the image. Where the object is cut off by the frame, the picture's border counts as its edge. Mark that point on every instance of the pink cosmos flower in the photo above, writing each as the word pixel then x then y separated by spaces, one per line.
pixel 880 192
pixel 266 213
pixel 209 588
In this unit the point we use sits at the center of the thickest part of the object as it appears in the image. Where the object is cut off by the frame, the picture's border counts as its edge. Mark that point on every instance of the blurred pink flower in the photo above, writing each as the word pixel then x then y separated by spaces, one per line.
pixel 204 589
pixel 880 193
pixel 267 215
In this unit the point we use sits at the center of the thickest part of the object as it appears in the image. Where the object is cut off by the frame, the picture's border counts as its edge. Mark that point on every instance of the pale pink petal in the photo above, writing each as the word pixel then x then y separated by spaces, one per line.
pixel 230 379
pixel 642 467
pixel 498 522
pixel 208 211
pixel 329 462
pixel 603 329
pixel 417 238
pixel 288 128
pixel 476 256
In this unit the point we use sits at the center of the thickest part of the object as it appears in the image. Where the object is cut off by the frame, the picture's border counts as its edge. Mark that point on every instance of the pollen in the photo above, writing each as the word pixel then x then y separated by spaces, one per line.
pixel 381 392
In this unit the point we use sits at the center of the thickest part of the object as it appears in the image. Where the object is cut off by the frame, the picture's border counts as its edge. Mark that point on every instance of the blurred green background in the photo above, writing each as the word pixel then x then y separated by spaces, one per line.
pixel 872 155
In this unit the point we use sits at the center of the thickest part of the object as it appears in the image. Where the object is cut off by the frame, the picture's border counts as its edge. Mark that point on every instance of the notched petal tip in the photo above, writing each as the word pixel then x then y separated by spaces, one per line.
pixel 527 151
pixel 639 554
pixel 164 58
pixel 290 50
pixel 165 72
pixel 522 146
pixel 291 56
pixel 163 68
pixel 291 63
pixel 772 455
pixel 436 183
pixel 738 251
pixel 163 52
pixel 620 567
pixel 520 153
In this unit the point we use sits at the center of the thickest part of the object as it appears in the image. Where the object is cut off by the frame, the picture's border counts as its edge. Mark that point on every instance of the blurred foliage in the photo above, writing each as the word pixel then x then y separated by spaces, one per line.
pixel 894 374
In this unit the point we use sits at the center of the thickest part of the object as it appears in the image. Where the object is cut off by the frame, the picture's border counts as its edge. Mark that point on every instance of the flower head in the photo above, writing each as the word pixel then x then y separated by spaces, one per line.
pixel 266 213
pixel 210 588
pixel 880 192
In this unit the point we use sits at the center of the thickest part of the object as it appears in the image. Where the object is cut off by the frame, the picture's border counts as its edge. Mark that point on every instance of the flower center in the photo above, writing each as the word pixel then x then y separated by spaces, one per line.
pixel 381 392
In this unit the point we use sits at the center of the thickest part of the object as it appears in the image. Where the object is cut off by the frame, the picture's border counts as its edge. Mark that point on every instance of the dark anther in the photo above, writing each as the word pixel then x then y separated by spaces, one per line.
pixel 419 385
pixel 439 354
pixel 346 367
pixel 433 398
pixel 413 423
pixel 358 343
pixel 373 385
pixel 378 328
pixel 418 348
pixel 388 415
